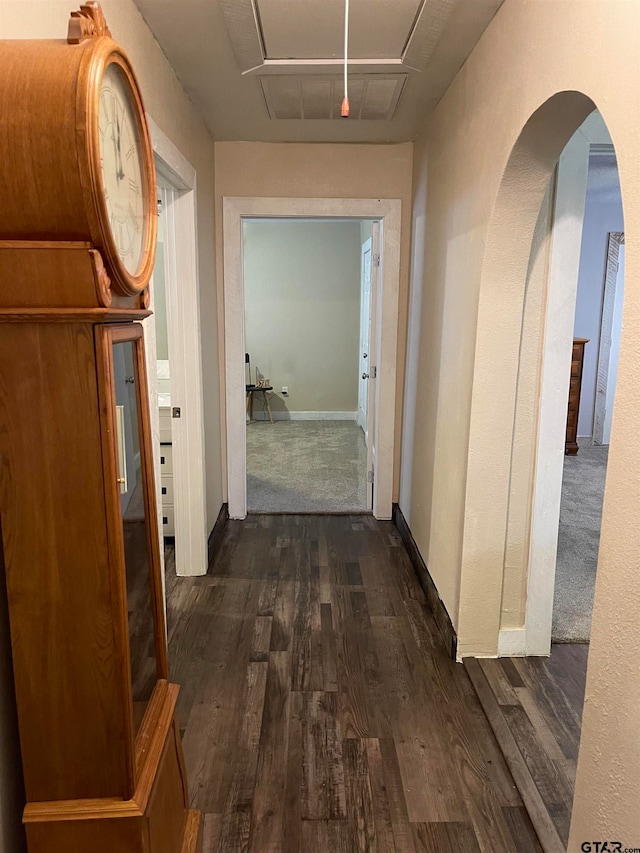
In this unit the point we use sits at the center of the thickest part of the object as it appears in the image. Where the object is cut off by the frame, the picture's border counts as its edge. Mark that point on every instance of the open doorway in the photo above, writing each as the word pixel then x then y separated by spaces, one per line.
pixel 161 273
pixel 309 296
pixel 383 339
pixel 174 368
pixel 566 324
pixel 594 367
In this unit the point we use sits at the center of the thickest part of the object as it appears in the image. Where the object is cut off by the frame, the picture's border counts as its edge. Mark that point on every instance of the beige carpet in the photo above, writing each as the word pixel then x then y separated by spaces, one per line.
pixel 578 542
pixel 306 466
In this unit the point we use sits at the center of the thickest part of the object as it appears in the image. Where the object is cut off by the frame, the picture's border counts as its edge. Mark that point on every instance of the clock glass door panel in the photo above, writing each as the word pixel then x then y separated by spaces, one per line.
pixel 146 636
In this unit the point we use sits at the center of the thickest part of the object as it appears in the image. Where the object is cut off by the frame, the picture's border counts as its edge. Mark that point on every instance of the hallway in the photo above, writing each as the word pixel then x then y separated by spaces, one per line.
pixel 319 708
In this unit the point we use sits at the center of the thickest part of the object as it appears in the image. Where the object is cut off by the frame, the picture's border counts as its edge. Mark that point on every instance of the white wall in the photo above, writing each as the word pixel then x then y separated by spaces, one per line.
pixel 603 213
pixel 302 311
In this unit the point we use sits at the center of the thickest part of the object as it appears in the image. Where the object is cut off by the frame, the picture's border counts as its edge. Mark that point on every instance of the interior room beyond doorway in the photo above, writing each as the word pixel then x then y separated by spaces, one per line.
pixel 307 331
pixel 597 330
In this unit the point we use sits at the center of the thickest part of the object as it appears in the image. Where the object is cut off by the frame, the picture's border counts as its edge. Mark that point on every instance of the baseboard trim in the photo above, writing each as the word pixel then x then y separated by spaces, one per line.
pixel 443 620
pixel 512 642
pixel 215 537
pixel 306 416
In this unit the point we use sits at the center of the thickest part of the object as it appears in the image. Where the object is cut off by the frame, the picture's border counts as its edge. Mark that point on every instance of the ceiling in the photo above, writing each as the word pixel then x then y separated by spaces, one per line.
pixel 271 70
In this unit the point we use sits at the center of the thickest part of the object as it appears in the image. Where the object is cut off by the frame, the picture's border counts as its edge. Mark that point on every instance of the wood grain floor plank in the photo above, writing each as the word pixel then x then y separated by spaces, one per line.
pixel 524 836
pixel 301 636
pixel 261 640
pixel 539 723
pixel 316 681
pixel 323 775
pixel 235 829
pixel 445 837
pixel 250 732
pixel 362 824
pixel 502 688
pixel 212 729
pixel 351 665
pixel 352 572
pixel 551 784
pixel 211 826
pixel 329 651
pixel 511 672
pixel 567 667
pixel 556 708
pixel 283 611
pixel 268 799
pixel 322 836
pixel 432 789
pixel 323 711
pixel 381 809
pixel 536 807
pixel 501 779
pixel 402 833
pixel 268 595
pixel 292 828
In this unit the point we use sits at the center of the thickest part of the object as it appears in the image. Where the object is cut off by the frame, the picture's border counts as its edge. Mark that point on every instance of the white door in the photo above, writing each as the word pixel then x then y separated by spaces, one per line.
pixel 368 375
pixel 365 332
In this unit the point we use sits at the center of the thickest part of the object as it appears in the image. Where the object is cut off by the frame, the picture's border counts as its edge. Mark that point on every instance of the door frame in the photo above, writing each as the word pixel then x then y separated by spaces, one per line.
pixel 367 246
pixel 614 241
pixel 571 176
pixel 177 175
pixel 566 225
pixel 388 213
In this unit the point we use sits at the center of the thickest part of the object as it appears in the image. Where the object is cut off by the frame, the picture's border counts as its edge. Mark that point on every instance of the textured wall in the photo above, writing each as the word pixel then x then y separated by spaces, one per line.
pixel 467 346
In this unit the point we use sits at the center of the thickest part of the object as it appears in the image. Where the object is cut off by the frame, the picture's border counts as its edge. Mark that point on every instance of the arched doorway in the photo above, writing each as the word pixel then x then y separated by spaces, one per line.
pixel 494 468
pixel 504 278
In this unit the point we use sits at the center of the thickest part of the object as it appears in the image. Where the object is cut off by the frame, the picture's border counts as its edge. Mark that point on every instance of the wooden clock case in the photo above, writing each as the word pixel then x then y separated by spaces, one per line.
pixel 102 772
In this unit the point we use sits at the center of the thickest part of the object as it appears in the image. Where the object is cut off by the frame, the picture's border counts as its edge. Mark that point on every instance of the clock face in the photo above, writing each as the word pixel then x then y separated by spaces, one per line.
pixel 122 168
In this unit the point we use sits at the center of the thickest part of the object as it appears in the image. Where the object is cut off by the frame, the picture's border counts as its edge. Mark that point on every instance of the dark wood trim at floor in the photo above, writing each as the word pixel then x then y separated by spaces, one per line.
pixel 443 620
pixel 217 534
pixel 534 706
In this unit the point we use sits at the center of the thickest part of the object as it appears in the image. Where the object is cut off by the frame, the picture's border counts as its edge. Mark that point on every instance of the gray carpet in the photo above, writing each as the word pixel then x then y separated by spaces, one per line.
pixel 578 540
pixel 306 466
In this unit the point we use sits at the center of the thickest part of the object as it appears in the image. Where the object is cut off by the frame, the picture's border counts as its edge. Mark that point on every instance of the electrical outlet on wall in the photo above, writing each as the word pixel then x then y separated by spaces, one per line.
pixel 285 390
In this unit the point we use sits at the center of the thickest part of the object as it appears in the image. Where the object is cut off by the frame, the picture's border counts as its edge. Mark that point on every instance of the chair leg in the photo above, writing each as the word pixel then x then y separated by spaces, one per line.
pixel 267 406
pixel 250 406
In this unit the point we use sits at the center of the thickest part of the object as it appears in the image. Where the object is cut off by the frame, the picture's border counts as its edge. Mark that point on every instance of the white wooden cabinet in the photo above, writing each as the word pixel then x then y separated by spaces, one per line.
pixel 166 471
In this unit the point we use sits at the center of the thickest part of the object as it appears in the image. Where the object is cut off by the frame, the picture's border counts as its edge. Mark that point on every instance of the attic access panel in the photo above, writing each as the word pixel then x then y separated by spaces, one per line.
pixel 292 29
pixel 373 96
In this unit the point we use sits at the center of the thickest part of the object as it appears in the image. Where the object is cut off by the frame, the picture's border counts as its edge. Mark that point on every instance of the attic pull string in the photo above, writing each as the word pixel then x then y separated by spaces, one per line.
pixel 344 112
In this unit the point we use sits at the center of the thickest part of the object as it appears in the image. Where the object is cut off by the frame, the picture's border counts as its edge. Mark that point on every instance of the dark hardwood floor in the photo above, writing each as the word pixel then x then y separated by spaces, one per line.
pixel 535 707
pixel 319 707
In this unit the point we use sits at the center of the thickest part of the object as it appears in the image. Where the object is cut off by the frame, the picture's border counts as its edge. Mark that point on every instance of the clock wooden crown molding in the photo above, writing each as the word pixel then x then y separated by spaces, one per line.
pixel 79 542
pixel 53 178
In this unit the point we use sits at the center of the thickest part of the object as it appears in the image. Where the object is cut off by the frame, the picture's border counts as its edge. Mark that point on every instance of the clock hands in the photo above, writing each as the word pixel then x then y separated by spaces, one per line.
pixel 118 149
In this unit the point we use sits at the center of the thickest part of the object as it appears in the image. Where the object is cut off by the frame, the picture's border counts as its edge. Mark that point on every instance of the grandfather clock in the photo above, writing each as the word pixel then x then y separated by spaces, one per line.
pixel 79 546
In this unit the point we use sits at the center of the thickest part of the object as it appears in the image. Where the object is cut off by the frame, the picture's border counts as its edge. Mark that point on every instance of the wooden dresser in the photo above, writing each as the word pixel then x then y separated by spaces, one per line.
pixel 577 359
